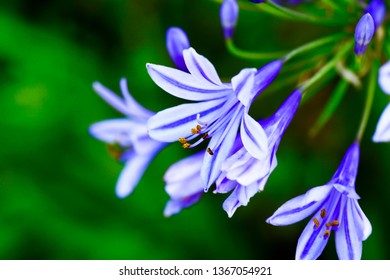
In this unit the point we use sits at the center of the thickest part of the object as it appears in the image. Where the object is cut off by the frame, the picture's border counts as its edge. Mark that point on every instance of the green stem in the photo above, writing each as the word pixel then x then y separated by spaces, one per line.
pixel 369 99
pixel 251 55
pixel 313 45
pixel 329 66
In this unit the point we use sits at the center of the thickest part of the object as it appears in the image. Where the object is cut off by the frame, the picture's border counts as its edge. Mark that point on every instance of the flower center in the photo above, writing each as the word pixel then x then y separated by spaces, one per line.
pixel 331 225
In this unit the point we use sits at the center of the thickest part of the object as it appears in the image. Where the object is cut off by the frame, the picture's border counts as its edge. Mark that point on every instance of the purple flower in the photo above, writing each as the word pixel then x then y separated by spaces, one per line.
pixel 127 138
pixel 229 15
pixel 222 109
pixel 183 184
pixel 336 209
pixel 377 9
pixel 382 132
pixel 245 175
pixel 363 33
pixel 177 42
pixel 282 2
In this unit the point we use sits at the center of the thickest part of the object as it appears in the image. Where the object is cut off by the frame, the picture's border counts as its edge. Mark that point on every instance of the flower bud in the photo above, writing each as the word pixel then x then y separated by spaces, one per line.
pixel 377 9
pixel 363 33
pixel 229 14
pixel 177 42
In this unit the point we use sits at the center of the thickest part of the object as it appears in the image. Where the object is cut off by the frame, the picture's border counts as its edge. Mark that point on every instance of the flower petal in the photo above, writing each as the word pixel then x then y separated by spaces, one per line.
pixel 131 174
pixel 114 131
pixel 348 243
pixel 184 85
pixel 239 197
pixel 384 77
pixel 133 107
pixel 184 168
pixel 200 67
pixel 174 206
pixel 173 123
pixel 382 132
pixel 111 98
pixel 254 138
pixel 363 225
pixel 243 84
pixel 300 207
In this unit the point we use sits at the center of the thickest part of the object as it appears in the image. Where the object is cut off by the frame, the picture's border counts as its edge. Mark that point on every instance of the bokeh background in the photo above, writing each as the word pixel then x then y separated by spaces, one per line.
pixel 57 183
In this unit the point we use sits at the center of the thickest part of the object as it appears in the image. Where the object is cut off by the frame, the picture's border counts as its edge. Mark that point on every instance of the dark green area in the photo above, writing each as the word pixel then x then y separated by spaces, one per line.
pixel 57 183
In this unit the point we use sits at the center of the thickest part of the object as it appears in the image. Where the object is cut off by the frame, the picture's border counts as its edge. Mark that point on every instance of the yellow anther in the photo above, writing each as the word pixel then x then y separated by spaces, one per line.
pixel 210 151
pixel 182 140
pixel 323 213
pixel 205 135
pixel 186 145
pixel 336 223
pixel 194 131
pixel 316 222
pixel 198 128
pixel 329 224
pixel 326 233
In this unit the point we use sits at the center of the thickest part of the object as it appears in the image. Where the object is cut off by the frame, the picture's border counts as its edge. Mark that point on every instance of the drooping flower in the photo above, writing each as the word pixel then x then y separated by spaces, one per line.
pixel 183 184
pixel 177 41
pixel 377 9
pixel 245 175
pixel 382 131
pixel 336 209
pixel 221 110
pixel 229 15
pixel 363 33
pixel 127 138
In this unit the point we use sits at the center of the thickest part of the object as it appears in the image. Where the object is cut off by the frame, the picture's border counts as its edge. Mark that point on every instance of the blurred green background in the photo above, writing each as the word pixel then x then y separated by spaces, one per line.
pixel 57 183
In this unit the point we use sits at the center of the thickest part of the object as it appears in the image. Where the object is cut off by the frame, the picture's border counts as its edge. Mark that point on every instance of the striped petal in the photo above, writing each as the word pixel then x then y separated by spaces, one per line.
pixel 115 131
pixel 239 197
pixel 382 132
pixel 243 86
pixel 254 138
pixel 111 98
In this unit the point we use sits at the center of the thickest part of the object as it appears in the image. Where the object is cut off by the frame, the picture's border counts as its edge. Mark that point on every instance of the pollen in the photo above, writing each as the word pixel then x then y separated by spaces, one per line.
pixel 323 213
pixel 194 131
pixel 210 151
pixel 198 128
pixel 205 135
pixel 186 145
pixel 183 140
pixel 326 233
pixel 316 222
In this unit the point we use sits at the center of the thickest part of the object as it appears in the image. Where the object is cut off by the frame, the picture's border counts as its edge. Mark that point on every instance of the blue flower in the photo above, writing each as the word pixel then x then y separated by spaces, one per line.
pixel 177 41
pixel 382 131
pixel 336 209
pixel 229 15
pixel 363 33
pixel 183 184
pixel 221 110
pixel 245 175
pixel 127 138
pixel 377 9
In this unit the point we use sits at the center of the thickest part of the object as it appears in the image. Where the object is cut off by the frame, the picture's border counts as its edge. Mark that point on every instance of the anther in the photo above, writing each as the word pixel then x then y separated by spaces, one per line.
pixel 205 135
pixel 186 145
pixel 326 233
pixel 182 140
pixel 323 213
pixel 194 131
pixel 316 222
pixel 336 223
pixel 210 151
pixel 198 128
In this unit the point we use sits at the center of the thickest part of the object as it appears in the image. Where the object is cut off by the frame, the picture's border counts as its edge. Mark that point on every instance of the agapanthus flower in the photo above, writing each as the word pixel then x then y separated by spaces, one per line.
pixel 336 209
pixel 382 132
pixel 282 2
pixel 377 9
pixel 363 33
pixel 229 15
pixel 183 183
pixel 127 138
pixel 245 175
pixel 177 41
pixel 221 110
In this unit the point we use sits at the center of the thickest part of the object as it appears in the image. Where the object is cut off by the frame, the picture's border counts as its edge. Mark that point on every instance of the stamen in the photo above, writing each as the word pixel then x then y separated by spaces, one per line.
pixel 316 222
pixel 198 128
pixel 199 121
pixel 194 131
pixel 323 213
pixel 336 223
pixel 210 152
pixel 326 233
pixel 186 145
pixel 205 135
pixel 182 140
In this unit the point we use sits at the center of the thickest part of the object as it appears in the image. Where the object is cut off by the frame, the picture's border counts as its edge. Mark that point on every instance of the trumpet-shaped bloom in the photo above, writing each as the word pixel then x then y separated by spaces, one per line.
pixel 363 33
pixel 377 10
pixel 221 110
pixel 245 175
pixel 127 138
pixel 183 184
pixel 177 41
pixel 336 209
pixel 382 131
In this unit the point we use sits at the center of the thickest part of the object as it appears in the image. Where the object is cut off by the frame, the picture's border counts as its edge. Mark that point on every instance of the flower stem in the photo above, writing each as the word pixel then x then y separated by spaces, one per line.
pixel 329 66
pixel 233 49
pixel 313 45
pixel 369 99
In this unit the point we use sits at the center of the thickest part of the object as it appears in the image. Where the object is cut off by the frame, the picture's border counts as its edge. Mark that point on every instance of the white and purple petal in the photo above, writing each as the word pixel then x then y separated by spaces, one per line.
pixel 382 131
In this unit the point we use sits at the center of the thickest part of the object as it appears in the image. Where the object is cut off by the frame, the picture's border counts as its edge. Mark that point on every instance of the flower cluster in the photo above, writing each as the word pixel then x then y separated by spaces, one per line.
pixel 237 152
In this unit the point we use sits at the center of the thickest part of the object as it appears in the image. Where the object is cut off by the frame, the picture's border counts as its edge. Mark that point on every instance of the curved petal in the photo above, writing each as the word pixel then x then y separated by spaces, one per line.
pixel 184 168
pixel 184 85
pixel 114 131
pixel 254 172
pixel 243 84
pixel 224 185
pixel 175 206
pixel 173 123
pixel 363 225
pixel 254 138
pixel 384 77
pixel 111 98
pixel 382 131
pixel 186 188
pixel 131 174
pixel 348 243
pixel 239 197
pixel 133 107
pixel 300 207
pixel 200 67
pixel 347 191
